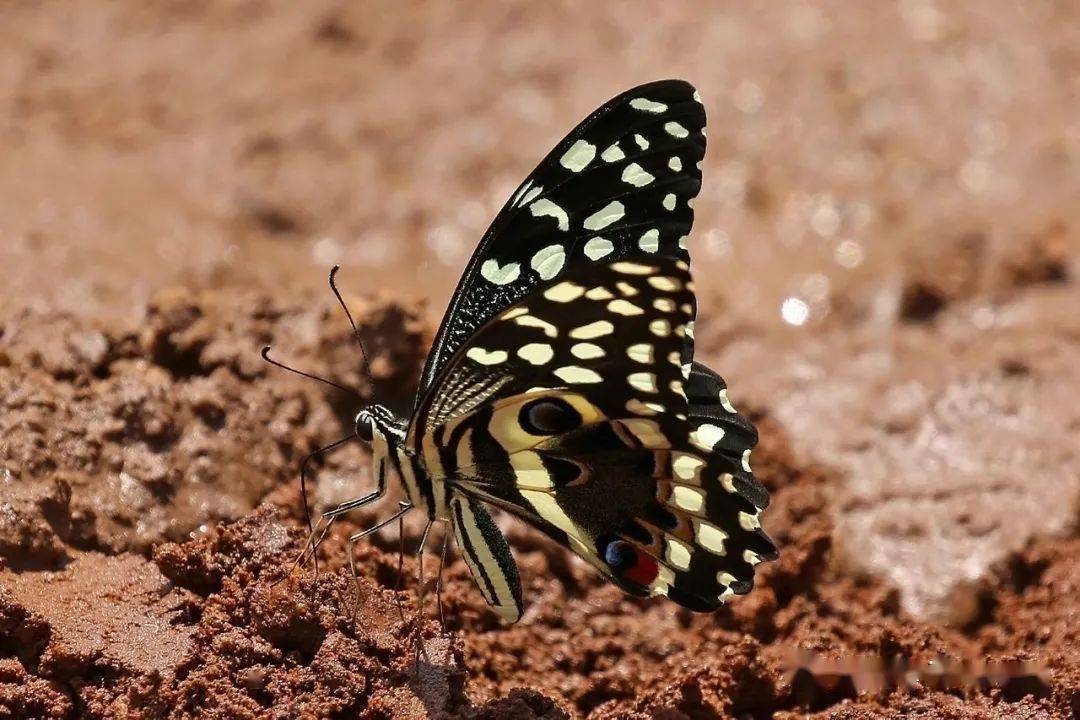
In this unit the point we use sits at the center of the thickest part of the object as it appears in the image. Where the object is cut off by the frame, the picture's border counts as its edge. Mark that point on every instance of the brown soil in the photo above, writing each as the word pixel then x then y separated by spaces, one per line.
pixel 178 177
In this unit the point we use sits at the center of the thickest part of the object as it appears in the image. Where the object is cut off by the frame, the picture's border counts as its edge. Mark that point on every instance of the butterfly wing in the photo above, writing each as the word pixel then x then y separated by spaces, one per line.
pixel 581 410
pixel 619 186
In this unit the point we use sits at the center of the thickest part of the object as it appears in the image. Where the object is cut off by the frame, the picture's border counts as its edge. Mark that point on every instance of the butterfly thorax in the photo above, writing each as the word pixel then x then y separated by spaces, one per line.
pixel 392 452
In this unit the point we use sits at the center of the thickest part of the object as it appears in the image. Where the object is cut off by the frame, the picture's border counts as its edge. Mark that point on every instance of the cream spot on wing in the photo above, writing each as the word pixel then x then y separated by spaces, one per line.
pixel 513 313
pixel 677 387
pixel 706 436
pixel 592 330
pixel 579 155
pixel 669 201
pixel 643 381
pixel 486 357
pixel 599 293
pixel 749 522
pixel 531 194
pixel 690 203
pixel 491 272
pixel 546 207
pixel 746 460
pixel 751 557
pixel 632 268
pixel 674 357
pixel 664 283
pixel 687 498
pixel 697 96
pixel 564 292
pixel 686 309
pixel 682 242
pixel 648 105
pixel 678 555
pixel 664 304
pixel 641 352
pixel 660 328
pixel 725 403
pixel 548 261
pixel 650 240
pixel 690 329
pixel 727 481
pixel 674 129
pixel 536 353
pixel 624 307
pixel 725 578
pixel 647 432
pixel 639 408
pixel 634 174
pixel 641 141
pixel 626 289
pixel 577 374
pixel 606 215
pixel 521 191
pixel 710 537
pixel 612 154
pixel 686 467
pixel 675 163
pixel 586 351
pixel 533 321
pixel 686 371
pixel 597 248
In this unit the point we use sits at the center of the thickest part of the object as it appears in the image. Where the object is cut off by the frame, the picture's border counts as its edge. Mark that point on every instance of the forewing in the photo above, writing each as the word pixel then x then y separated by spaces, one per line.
pixel 619 186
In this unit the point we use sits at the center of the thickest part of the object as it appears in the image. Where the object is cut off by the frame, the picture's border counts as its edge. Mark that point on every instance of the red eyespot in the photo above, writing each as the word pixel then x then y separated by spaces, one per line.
pixel 644 570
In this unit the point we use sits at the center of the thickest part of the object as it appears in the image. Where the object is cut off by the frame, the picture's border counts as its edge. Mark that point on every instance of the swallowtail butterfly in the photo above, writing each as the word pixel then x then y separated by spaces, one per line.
pixel 562 386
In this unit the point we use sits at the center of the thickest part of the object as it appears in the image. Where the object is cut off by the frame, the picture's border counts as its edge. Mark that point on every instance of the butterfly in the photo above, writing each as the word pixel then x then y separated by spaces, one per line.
pixel 562 388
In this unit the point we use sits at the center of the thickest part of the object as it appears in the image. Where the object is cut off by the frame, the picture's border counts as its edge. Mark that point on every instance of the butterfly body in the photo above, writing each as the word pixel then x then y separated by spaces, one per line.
pixel 562 386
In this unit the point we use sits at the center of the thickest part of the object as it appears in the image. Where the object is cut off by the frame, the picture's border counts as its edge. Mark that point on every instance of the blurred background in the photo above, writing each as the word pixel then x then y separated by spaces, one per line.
pixel 884 240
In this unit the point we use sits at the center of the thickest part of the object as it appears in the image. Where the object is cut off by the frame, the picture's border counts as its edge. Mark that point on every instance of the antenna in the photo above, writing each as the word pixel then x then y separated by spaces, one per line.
pixel 356 331
pixel 266 356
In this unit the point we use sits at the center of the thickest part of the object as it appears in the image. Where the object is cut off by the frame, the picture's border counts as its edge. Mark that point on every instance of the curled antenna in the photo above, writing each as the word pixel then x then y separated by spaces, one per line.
pixel 266 356
pixel 356 331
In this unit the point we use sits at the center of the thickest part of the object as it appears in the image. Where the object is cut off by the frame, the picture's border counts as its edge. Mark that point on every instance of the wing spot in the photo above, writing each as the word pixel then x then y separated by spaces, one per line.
pixel 647 432
pixel 682 243
pixel 706 436
pixel 687 498
pixel 641 352
pixel 513 313
pixel 493 273
pixel 624 307
pixel 751 557
pixel 690 329
pixel 677 388
pixel 746 460
pixel 678 554
pixel 580 154
pixel 536 353
pixel 687 466
pixel 634 174
pixel 725 402
pixel 486 357
pixel 675 163
pixel 676 130
pixel 641 141
pixel 532 321
pixel 612 212
pixel 727 481
pixel 637 407
pixel 592 330
pixel 650 240
pixel 599 293
pixel 544 207
pixel 643 381
pixel 749 522
pixel 548 261
pixel 646 105
pixel 674 357
pixel 626 289
pixel 686 309
pixel 710 537
pixel 613 153
pixel 669 202
pixel 577 374
pixel 597 248
pixel 663 283
pixel 564 292
pixel 664 305
pixel 686 371
pixel 632 268
pixel 586 351
pixel 660 328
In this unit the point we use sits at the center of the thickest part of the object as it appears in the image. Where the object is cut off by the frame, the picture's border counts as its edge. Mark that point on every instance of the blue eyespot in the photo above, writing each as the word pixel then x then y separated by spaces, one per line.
pixel 620 555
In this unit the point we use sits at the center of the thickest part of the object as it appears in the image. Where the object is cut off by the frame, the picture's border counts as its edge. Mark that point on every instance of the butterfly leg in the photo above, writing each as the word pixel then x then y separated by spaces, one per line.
pixel 322 529
pixel 399 517
pixel 438 581
pixel 420 595
pixel 303 497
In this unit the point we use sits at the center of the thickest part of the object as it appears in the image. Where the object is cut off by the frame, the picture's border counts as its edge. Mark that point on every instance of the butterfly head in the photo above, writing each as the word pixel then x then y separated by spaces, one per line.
pixel 377 421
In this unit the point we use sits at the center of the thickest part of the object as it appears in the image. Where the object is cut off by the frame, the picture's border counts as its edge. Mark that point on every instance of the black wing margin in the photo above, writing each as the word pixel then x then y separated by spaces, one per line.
pixel 619 186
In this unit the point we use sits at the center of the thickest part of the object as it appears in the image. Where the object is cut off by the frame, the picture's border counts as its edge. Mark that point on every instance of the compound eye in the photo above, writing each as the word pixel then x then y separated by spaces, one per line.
pixel 364 429
pixel 549 416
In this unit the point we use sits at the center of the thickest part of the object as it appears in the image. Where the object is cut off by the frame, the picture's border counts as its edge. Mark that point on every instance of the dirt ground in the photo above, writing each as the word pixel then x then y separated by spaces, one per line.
pixel 886 251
